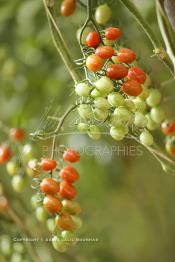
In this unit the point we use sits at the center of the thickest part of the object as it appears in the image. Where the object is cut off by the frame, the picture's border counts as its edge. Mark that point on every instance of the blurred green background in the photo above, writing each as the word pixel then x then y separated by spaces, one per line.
pixel 127 201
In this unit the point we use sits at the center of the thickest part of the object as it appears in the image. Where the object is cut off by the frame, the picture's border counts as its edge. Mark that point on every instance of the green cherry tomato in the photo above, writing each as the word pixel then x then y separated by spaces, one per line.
pixel 146 138
pixel 34 201
pixel 145 92
pixel 116 99
pixel 41 214
pixel 12 168
pixel 82 89
pixel 140 105
pixel 104 85
pixel 85 111
pixel 123 114
pixel 28 152
pixel 100 115
pixel 69 238
pixel 151 125
pixel 18 183
pixel 157 114
pixel 5 245
pixel 50 224
pixel 77 221
pixel 101 103
pixel 117 133
pixel 140 119
pixel 82 127
pixel 129 104
pixel 103 14
pixel 154 97
pixel 59 244
pixel 95 93
pixel 94 132
pixel 71 206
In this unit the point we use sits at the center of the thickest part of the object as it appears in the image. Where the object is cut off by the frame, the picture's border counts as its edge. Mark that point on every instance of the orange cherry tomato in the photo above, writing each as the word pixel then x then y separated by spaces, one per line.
pixel 5 154
pixel 68 7
pixel 71 155
pixel 69 174
pixel 94 63
pixel 17 133
pixel 112 33
pixel 137 74
pixel 52 204
pixel 170 146
pixel 117 71
pixel 126 55
pixel 67 190
pixel 65 221
pixel 105 52
pixel 49 186
pixel 168 127
pixel 48 164
pixel 132 88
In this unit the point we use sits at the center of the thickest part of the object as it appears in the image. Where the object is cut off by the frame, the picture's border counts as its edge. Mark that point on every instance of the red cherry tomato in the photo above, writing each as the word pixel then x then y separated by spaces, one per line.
pixel 137 74
pixel 67 190
pixel 112 33
pixel 3 203
pixel 17 133
pixel 49 186
pixel 132 88
pixel 71 155
pixel 52 204
pixel 5 154
pixel 117 71
pixel 68 7
pixel 69 174
pixel 126 55
pixel 94 63
pixel 48 164
pixel 168 127
pixel 65 221
pixel 170 146
pixel 93 39
pixel 104 52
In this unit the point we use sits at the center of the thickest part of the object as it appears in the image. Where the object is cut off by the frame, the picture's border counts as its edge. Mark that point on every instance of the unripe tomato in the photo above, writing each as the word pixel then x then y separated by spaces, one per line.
pixel 85 111
pixel 69 237
pixel 140 105
pixel 71 207
pixel 3 203
pixel 69 174
pixel 151 125
pixel 65 221
pixel 103 14
pixel 168 127
pixel 18 183
pixel 137 74
pixel 52 204
pixel 157 114
pixel 49 186
pixel 41 214
pixel 140 119
pixel 93 39
pixel 5 154
pixel 82 127
pixel 104 52
pixel 34 201
pixel 28 152
pixel 117 133
pixel 100 114
pixel 116 99
pixel 145 93
pixel 112 33
pixel 50 224
pixel 82 89
pixel 154 97
pixel 129 104
pixel 101 103
pixel 104 85
pixel 12 168
pixel 94 63
pixel 170 146
pixel 123 114
pixel 71 155
pixel 48 164
pixel 68 7
pixel 132 88
pixel 67 190
pixel 17 134
pixel 126 55
pixel 59 244
pixel 94 132
pixel 146 138
pixel 96 93
pixel 77 221
pixel 117 71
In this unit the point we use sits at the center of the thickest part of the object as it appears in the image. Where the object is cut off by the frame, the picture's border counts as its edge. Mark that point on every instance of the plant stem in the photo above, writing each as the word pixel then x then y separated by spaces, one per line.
pixel 158 49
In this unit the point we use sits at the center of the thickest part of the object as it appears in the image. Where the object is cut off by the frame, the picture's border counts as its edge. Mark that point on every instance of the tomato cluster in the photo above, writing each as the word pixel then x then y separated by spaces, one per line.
pixel 57 205
pixel 117 90
pixel 168 128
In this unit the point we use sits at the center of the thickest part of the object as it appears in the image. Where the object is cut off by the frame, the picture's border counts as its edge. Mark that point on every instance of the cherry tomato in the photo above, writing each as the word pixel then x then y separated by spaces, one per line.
pixel 5 154
pixel 105 52
pixel 68 7
pixel 126 55
pixel 65 221
pixel 48 164
pixel 17 133
pixel 117 71
pixel 69 174
pixel 3 203
pixel 103 14
pixel 112 33
pixel 132 88
pixel 70 206
pixel 94 63
pixel 168 127
pixel 137 74
pixel 67 190
pixel 71 155
pixel 49 186
pixel 52 204
pixel 170 146
pixel 93 39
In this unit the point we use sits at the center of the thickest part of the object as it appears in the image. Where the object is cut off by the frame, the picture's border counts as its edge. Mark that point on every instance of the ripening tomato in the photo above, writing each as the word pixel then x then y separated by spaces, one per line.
pixel 49 186
pixel 5 154
pixel 137 74
pixel 170 146
pixel 69 174
pixel 48 164
pixel 94 63
pixel 68 7
pixel 104 52
pixel 3 203
pixel 126 55
pixel 65 221
pixel 116 71
pixel 17 133
pixel 71 155
pixel 72 207
pixel 112 33
pixel 67 190
pixel 93 39
pixel 52 204
pixel 132 88
pixel 168 127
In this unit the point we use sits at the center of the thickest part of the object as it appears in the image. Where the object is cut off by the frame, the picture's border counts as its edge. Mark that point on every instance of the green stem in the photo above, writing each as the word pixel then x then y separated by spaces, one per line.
pixel 158 49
